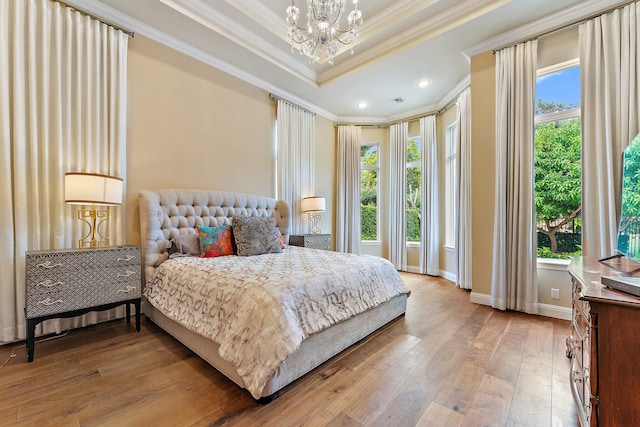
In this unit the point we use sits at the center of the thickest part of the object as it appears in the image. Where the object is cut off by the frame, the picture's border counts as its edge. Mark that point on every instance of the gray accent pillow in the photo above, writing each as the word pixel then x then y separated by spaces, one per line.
pixel 184 245
pixel 255 235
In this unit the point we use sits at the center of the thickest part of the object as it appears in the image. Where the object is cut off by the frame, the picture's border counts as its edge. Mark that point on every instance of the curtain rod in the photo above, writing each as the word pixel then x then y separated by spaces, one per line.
pixel 564 27
pixel 278 98
pixel 82 12
pixel 365 126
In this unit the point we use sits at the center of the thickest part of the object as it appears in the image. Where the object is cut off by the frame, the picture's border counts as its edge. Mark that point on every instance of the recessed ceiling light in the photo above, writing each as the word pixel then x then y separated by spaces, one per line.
pixel 423 83
pixel 362 104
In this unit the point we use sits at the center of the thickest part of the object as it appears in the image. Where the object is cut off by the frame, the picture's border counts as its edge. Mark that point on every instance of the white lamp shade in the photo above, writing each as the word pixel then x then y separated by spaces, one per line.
pixel 313 204
pixel 82 188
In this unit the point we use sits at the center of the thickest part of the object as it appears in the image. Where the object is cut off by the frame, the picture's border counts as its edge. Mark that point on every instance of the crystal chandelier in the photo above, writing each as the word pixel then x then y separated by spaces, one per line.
pixel 323 37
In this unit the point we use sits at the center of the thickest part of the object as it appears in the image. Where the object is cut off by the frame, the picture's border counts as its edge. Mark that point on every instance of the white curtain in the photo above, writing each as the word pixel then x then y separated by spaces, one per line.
pixel 296 154
pixel 463 190
pixel 609 75
pixel 62 108
pixel 397 197
pixel 348 227
pixel 430 208
pixel 514 284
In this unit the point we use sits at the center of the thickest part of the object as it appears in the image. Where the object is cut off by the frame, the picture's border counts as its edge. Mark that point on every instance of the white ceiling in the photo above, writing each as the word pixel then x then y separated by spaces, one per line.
pixel 400 43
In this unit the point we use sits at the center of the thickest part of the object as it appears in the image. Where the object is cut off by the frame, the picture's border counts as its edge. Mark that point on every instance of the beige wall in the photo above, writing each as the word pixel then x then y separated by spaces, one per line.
pixel 482 169
pixel 193 126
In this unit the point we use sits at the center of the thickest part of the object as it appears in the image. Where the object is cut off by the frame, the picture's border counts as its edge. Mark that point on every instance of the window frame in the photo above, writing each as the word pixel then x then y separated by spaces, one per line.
pixel 574 113
pixel 450 185
pixel 375 168
pixel 413 164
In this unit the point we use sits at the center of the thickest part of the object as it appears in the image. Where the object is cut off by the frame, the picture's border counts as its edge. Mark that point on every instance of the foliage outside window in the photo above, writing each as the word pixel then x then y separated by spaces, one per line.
pixel 558 171
pixel 450 185
pixel 629 229
pixel 369 170
pixel 414 190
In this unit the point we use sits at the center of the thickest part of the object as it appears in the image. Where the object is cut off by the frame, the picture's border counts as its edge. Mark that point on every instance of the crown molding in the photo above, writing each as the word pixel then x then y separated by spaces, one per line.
pixel 202 13
pixel 372 26
pixel 112 15
pixel 156 35
pixel 534 29
pixel 446 100
pixel 436 25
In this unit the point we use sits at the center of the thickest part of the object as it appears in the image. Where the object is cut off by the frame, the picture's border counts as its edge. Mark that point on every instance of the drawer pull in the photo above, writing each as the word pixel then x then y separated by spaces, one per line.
pixel 49 265
pixel 126 291
pixel 48 302
pixel 128 258
pixel 127 274
pixel 48 284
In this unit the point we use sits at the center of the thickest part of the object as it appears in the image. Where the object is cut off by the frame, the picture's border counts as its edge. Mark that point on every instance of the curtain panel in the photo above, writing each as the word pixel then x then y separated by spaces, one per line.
pixel 398 195
pixel 348 226
pixel 609 76
pixel 430 207
pixel 463 190
pixel 296 159
pixel 63 80
pixel 514 284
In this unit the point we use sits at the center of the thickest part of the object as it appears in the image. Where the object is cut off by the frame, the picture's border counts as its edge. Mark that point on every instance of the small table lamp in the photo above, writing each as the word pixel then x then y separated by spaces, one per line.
pixel 311 206
pixel 93 189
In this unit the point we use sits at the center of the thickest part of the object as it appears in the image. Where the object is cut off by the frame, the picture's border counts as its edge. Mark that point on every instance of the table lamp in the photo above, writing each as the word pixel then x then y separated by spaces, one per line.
pixel 81 188
pixel 311 206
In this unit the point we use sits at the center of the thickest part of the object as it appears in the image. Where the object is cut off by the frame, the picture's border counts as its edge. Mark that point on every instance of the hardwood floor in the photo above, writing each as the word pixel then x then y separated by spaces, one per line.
pixel 448 362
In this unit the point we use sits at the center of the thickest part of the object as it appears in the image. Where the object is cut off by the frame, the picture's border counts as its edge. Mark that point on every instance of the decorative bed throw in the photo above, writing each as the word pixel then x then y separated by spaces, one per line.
pixel 259 309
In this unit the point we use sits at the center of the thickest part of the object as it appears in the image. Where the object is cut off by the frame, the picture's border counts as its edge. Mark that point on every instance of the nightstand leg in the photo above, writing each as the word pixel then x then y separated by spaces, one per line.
pixel 137 304
pixel 128 311
pixel 31 336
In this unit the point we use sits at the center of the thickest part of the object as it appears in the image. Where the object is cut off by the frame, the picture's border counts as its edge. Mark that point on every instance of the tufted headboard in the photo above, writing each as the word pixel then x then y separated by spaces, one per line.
pixel 165 214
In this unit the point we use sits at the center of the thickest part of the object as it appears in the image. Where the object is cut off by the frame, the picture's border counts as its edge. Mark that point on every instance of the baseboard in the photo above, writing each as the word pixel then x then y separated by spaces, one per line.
pixel 555 311
pixel 547 310
pixel 482 299
pixel 449 276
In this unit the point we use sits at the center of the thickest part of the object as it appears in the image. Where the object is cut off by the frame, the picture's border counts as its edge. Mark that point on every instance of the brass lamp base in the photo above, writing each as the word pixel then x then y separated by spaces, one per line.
pixel 94 219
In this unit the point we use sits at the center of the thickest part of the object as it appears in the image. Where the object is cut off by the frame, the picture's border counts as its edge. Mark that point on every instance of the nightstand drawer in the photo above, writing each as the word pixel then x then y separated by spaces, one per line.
pixel 314 241
pixel 87 288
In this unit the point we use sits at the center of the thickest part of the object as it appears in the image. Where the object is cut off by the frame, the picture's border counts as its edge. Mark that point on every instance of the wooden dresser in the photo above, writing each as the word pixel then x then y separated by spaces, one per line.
pixel 604 345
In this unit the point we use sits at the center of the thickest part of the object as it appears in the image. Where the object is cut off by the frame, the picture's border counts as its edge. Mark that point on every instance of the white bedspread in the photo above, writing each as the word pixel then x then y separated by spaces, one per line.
pixel 260 308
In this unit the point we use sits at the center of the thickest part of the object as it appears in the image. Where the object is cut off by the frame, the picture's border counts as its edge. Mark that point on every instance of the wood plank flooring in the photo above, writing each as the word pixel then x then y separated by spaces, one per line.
pixel 448 362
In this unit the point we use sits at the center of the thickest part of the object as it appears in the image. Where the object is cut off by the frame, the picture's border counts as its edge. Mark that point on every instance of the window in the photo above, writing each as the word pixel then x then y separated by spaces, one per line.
pixel 414 190
pixel 450 185
pixel 369 172
pixel 558 171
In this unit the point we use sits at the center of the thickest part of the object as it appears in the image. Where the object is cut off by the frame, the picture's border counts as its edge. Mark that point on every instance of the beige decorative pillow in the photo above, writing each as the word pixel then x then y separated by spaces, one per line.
pixel 185 245
pixel 255 235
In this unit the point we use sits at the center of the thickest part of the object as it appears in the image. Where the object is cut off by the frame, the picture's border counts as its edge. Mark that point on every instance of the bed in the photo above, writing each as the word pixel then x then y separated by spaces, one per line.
pixel 308 304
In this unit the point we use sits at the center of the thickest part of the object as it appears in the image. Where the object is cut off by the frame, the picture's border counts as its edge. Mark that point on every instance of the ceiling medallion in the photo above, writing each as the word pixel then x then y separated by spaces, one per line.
pixel 323 37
